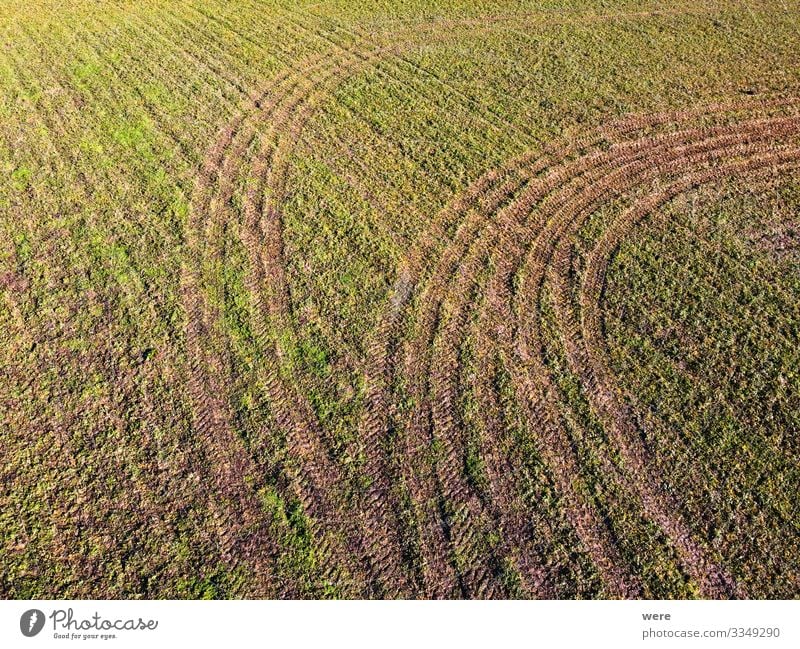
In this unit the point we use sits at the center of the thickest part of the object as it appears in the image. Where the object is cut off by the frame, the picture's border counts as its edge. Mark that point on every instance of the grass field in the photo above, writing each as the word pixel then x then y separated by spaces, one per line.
pixel 429 299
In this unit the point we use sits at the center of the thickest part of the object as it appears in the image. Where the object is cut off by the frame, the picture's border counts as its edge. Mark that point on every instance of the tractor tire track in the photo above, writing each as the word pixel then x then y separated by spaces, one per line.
pixel 268 284
pixel 212 206
pixel 539 259
pixel 587 346
pixel 381 380
pixel 318 477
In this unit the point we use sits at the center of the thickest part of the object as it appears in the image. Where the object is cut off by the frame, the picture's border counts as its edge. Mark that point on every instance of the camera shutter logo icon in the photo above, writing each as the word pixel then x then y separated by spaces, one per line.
pixel 31 622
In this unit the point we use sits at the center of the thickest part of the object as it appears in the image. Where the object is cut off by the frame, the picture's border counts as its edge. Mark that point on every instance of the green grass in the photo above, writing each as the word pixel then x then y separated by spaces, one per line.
pixel 107 112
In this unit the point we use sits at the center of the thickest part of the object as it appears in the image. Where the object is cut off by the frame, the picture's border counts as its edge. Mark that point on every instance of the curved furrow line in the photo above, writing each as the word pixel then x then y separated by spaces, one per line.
pixel 448 266
pixel 212 418
pixel 588 345
pixel 510 232
pixel 380 504
pixel 377 423
pixel 501 283
pixel 552 441
pixel 430 367
pixel 445 367
pixel 211 204
pixel 223 164
pixel 444 364
pixel 263 239
pixel 417 263
pixel 540 395
pixel 435 489
pixel 572 215
pixel 277 306
pixel 293 413
pixel 540 256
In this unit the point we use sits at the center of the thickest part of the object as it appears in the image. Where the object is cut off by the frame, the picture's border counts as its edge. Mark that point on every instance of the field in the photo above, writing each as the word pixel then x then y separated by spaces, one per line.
pixel 419 299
